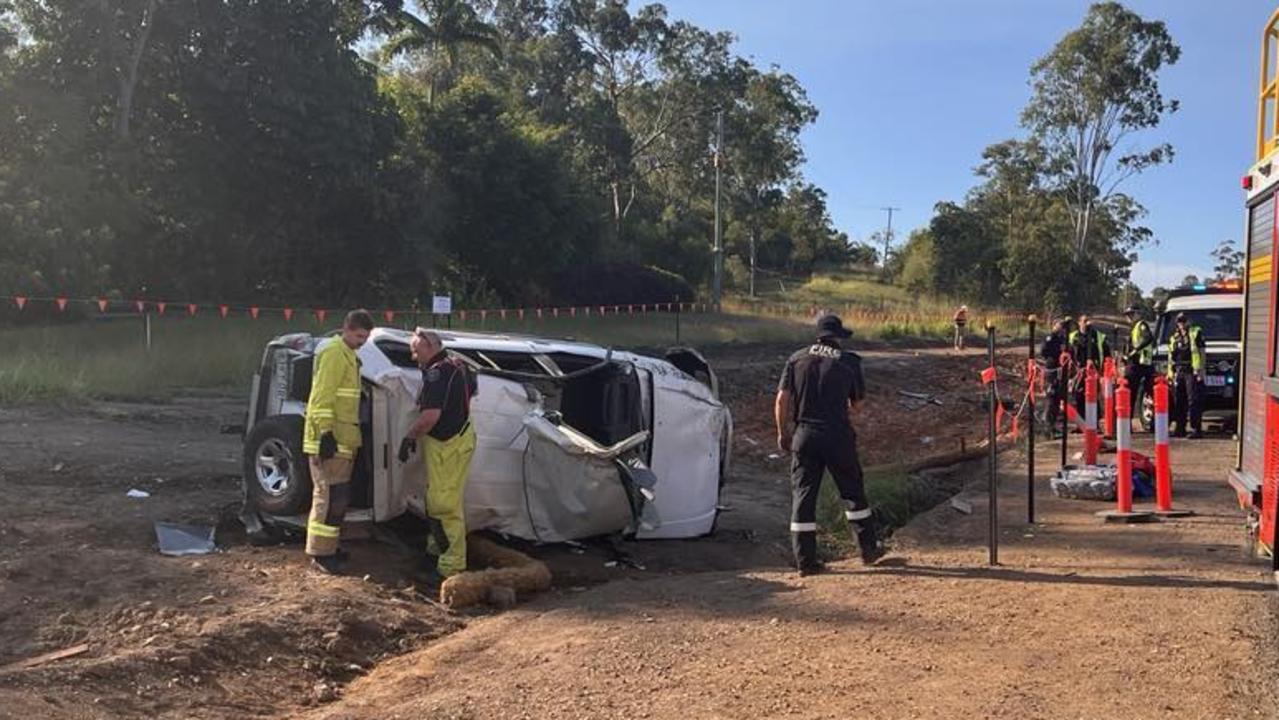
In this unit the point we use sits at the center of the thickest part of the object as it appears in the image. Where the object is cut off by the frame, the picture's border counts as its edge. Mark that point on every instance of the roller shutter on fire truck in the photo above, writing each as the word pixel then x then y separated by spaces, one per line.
pixel 1257 328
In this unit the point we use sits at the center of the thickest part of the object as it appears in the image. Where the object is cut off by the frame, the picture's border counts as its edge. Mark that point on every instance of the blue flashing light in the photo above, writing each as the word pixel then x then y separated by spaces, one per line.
pixel 1200 287
pixel 1230 380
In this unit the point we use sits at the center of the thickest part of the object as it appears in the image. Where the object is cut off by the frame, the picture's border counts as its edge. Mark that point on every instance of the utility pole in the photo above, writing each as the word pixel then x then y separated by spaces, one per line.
pixel 888 234
pixel 752 264
pixel 718 286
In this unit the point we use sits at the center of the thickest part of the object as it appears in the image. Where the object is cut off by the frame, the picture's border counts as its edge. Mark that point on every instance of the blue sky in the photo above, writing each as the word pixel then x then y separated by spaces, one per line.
pixel 910 92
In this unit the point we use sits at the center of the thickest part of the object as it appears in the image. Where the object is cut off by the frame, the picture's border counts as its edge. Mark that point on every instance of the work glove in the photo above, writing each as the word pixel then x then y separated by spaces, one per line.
pixel 408 446
pixel 328 446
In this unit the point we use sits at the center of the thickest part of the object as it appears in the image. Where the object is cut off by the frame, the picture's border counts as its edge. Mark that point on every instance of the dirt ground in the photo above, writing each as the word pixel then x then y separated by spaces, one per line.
pixel 1081 620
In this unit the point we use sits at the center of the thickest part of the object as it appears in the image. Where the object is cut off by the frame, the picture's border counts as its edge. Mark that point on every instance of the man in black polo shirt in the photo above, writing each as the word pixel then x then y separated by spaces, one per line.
pixel 820 386
pixel 445 420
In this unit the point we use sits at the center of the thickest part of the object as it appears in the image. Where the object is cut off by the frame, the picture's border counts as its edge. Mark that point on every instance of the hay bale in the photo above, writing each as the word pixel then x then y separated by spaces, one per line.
pixel 510 574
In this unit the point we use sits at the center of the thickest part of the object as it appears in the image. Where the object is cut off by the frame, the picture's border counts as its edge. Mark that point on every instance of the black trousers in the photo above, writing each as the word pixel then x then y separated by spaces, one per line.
pixel 1052 400
pixel 817 450
pixel 1139 377
pixel 1187 398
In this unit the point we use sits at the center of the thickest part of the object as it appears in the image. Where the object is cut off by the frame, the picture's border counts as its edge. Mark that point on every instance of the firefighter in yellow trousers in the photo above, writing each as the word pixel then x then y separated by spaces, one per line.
pixel 449 444
pixel 331 437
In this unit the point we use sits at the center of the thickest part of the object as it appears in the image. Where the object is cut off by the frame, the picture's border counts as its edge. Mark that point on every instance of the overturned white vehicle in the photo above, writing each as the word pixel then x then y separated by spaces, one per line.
pixel 573 440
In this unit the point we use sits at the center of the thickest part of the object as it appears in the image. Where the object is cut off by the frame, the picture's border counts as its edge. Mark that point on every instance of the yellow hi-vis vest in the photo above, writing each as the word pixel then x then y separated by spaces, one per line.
pixel 334 405
pixel 1198 357
pixel 1141 333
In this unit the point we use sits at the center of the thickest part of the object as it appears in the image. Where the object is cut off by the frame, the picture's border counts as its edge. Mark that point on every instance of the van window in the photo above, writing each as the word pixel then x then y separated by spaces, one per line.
pixel 1224 324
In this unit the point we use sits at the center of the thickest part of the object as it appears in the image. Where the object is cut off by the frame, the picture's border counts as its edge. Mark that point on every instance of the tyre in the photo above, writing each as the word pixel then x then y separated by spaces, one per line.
pixel 276 476
pixel 1146 403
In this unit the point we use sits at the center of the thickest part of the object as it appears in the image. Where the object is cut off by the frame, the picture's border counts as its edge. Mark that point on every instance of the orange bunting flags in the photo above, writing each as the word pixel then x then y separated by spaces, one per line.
pixel 223 310
pixel 253 312
pixel 999 416
pixel 389 315
pixel 988 376
pixel 320 314
pixel 288 314
pixel 140 305
pixel 21 300
pixel 62 303
pixel 102 304
pixel 160 306
pixel 191 308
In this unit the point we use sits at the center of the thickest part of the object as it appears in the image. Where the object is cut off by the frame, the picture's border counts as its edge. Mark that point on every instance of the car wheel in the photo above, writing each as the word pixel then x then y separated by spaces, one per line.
pixel 1147 404
pixel 276 476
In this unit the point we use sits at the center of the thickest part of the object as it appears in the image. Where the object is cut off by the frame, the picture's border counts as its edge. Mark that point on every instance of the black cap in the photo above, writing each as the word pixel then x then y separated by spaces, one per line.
pixel 1133 309
pixel 832 326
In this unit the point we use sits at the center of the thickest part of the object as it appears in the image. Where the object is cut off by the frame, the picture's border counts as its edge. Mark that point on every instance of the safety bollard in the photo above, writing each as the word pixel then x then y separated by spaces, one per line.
pixel 1091 443
pixel 1108 395
pixel 1163 455
pixel 1123 511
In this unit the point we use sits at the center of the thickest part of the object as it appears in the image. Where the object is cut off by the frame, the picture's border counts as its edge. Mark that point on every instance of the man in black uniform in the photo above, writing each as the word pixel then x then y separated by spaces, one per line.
pixel 449 443
pixel 1050 353
pixel 820 386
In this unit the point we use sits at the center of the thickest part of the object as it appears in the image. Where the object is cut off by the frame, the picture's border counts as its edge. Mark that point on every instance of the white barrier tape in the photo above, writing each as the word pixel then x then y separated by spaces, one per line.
pixel 857 514
pixel 803 527
pixel 1161 428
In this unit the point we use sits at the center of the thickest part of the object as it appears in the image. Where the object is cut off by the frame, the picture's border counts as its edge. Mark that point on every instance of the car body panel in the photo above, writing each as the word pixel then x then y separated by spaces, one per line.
pixel 533 476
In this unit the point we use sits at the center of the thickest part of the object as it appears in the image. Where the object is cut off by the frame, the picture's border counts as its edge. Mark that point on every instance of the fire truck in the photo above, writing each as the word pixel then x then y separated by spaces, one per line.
pixel 1256 473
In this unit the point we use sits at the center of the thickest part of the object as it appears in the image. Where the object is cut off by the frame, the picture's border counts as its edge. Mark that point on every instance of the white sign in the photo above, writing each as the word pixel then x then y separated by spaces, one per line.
pixel 442 305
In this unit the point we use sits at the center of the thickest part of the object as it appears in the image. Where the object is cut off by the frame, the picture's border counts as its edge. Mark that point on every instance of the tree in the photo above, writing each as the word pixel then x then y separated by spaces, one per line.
pixel 1190 281
pixel 918 264
pixel 1097 87
pixel 1229 259
pixel 449 27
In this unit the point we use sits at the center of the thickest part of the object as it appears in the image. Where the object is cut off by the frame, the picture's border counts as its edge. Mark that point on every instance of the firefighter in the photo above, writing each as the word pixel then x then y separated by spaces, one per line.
pixel 331 437
pixel 1187 358
pixel 961 323
pixel 1139 361
pixel 449 443
pixel 1087 343
pixel 820 386
pixel 1050 352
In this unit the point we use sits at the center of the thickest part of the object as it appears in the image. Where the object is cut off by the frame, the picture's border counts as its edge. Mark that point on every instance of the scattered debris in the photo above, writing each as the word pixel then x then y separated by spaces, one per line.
pixel 926 440
pixel 178 540
pixel 914 401
pixel 136 493
pixel 48 657
pixel 750 441
pixel 963 506
pixel 774 456
pixel 59 467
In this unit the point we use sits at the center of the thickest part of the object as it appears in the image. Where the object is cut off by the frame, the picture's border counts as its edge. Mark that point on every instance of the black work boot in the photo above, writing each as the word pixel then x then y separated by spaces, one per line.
pixel 872 546
pixel 813 568
pixel 327 564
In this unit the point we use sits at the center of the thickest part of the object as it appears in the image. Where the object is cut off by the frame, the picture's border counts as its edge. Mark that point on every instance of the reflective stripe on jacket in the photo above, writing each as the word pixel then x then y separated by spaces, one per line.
pixel 334 405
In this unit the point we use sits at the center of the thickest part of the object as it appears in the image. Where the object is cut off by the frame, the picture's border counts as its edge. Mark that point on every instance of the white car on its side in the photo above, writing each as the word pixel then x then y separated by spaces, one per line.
pixel 573 440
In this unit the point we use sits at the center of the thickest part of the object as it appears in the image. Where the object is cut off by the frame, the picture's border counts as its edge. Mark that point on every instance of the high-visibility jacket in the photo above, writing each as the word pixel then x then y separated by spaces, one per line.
pixel 334 405
pixel 1142 343
pixel 1096 351
pixel 1192 344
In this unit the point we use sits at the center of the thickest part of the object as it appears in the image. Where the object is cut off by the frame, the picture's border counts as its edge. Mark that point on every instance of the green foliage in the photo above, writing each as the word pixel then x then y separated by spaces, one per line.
pixel 918 263
pixel 1098 86
pixel 1046 228
pixel 1229 259
pixel 246 150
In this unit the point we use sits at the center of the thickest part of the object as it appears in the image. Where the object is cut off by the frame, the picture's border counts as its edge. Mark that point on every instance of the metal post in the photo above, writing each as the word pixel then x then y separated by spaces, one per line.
pixel 678 308
pixel 993 397
pixel 718 286
pixel 752 265
pixel 147 322
pixel 1030 436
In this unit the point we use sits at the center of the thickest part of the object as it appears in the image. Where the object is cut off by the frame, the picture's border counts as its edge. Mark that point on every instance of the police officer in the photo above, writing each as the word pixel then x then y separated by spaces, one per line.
pixel 1187 358
pixel 331 437
pixel 1050 352
pixel 445 421
pixel 1140 359
pixel 820 386
pixel 1087 343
